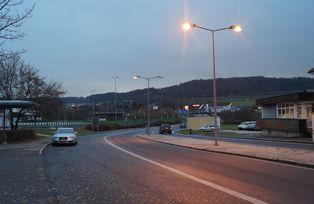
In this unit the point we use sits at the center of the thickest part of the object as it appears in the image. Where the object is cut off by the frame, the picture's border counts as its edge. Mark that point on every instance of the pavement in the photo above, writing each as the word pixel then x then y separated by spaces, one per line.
pixel 253 139
pixel 117 167
pixel 22 178
pixel 289 155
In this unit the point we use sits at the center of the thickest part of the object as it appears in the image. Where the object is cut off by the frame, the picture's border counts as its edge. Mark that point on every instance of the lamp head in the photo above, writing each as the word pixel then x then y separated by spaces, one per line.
pixel 236 28
pixel 187 26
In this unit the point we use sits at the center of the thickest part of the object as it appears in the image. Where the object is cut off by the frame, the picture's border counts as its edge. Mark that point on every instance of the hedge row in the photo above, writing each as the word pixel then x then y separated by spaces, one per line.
pixel 104 127
pixel 13 136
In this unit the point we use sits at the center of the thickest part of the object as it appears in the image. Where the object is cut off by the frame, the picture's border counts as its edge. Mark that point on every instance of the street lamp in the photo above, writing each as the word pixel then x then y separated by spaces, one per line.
pixel 115 97
pixel 148 110
pixel 93 109
pixel 236 28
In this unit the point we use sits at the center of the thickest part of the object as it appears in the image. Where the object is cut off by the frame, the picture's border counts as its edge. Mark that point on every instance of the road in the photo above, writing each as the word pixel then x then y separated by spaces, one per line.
pixel 120 168
pixel 117 167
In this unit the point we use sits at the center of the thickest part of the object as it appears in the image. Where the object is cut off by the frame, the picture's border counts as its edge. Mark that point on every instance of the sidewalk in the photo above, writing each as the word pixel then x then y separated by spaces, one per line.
pixel 288 155
pixel 253 135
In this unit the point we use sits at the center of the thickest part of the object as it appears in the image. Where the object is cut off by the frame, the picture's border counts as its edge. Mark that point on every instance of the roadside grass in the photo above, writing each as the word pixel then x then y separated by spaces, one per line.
pixel 229 127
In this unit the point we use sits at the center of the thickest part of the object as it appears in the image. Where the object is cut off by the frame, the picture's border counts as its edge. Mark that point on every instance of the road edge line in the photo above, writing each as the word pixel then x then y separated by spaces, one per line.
pixel 42 149
pixel 186 175
pixel 279 161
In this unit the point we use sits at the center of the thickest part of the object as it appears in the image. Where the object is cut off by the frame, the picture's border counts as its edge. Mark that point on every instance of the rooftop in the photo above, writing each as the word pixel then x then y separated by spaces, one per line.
pixel 293 97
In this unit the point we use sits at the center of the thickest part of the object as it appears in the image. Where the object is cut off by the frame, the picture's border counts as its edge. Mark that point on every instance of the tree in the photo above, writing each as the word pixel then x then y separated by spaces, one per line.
pixel 19 80
pixel 11 18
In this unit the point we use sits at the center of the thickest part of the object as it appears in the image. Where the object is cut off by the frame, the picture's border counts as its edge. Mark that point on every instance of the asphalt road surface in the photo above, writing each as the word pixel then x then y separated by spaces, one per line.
pixel 119 168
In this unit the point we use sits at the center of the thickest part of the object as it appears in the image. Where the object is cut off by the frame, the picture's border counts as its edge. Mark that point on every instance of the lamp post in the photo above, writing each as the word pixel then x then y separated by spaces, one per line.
pixel 236 28
pixel 93 109
pixel 148 109
pixel 311 71
pixel 115 96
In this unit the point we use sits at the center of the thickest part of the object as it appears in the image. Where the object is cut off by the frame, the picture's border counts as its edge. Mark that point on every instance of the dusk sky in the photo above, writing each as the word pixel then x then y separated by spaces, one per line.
pixel 84 43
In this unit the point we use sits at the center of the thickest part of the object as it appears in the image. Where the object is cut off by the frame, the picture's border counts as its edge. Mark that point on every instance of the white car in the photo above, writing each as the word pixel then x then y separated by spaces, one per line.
pixel 64 136
pixel 249 125
pixel 207 128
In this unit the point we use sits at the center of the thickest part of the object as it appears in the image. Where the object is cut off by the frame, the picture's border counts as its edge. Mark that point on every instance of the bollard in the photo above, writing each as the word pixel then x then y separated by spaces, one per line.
pixel 190 131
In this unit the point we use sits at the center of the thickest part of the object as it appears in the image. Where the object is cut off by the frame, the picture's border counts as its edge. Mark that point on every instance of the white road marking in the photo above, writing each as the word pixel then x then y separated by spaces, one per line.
pixel 198 180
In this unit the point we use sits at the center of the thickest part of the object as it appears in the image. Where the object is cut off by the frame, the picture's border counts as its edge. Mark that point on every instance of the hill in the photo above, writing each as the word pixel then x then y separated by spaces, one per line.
pixel 202 89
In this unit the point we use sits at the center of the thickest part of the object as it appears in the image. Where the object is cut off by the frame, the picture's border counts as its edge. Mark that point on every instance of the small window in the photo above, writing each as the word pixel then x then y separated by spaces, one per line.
pixel 285 110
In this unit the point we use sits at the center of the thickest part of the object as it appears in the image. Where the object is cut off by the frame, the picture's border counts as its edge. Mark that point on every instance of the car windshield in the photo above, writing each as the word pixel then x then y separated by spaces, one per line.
pixel 65 131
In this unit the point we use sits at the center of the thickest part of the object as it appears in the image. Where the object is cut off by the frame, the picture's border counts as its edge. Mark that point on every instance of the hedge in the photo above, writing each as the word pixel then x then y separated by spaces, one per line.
pixel 12 136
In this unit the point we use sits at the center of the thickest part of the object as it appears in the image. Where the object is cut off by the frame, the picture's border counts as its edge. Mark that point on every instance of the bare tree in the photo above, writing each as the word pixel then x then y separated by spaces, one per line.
pixel 19 80
pixel 8 76
pixel 11 18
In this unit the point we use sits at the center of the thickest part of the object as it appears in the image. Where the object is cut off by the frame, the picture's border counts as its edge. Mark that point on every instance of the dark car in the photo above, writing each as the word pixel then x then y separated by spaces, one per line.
pixel 165 128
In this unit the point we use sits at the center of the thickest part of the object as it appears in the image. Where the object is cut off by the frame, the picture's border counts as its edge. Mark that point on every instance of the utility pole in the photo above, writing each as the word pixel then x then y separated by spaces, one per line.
pixel 115 97
pixel 93 108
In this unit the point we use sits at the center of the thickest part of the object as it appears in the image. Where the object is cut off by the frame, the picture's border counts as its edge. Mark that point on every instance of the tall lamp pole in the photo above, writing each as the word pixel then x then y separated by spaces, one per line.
pixel 93 109
pixel 311 71
pixel 148 109
pixel 115 97
pixel 236 28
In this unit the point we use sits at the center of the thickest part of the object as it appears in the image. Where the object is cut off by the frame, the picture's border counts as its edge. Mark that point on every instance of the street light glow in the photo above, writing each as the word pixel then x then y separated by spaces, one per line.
pixel 236 28
pixel 136 77
pixel 187 26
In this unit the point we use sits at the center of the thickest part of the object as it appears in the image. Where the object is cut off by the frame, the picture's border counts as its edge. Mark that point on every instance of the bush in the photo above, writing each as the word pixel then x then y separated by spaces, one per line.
pixel 104 127
pixel 22 135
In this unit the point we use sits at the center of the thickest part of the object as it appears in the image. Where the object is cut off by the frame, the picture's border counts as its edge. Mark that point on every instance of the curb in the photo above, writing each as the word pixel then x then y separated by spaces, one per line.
pixel 42 149
pixel 311 166
pixel 248 138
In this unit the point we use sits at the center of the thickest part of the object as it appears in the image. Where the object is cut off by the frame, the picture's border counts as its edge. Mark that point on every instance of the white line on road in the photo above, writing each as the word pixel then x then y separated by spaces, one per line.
pixel 198 180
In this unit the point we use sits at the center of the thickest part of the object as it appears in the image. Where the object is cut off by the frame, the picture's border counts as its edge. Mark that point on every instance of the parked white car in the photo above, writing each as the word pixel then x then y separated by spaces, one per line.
pixel 207 128
pixel 64 136
pixel 248 125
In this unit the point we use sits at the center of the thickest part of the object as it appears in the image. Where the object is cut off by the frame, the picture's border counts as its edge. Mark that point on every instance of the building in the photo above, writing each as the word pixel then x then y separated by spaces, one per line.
pixel 287 115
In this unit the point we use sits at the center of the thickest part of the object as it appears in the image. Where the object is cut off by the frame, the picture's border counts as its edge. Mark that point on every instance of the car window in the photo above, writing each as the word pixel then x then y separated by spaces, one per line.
pixel 65 131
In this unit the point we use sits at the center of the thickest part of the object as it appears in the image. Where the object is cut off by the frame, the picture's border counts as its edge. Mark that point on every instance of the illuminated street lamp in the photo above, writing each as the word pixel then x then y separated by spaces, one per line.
pixel 236 28
pixel 148 110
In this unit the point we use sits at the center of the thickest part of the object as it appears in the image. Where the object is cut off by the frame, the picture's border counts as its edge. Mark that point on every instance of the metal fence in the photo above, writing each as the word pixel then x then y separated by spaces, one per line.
pixel 54 124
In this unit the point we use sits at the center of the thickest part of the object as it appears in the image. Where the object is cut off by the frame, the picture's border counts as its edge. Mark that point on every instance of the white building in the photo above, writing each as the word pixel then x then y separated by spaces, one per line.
pixel 287 115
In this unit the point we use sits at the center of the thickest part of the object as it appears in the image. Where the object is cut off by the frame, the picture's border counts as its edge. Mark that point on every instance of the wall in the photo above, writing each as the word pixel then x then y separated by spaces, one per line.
pixel 269 111
pixel 195 123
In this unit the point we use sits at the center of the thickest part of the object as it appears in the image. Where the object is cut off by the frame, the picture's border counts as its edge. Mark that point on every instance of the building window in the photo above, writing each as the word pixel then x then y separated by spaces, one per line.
pixel 285 110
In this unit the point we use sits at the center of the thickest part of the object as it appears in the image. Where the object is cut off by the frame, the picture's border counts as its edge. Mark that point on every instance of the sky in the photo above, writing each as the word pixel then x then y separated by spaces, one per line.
pixel 82 44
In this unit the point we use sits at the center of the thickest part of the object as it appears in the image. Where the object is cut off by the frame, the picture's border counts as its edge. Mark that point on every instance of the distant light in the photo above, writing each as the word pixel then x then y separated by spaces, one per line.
pixel 186 107
pixel 236 28
pixel 186 26
pixel 135 77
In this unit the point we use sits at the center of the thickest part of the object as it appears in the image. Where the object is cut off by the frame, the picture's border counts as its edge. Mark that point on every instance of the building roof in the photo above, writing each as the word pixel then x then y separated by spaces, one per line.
pixel 293 97
pixel 15 104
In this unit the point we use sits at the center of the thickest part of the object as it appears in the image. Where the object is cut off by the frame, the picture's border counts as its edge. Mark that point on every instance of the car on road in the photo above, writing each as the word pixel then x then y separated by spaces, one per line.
pixel 207 128
pixel 182 125
pixel 64 136
pixel 248 125
pixel 165 128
